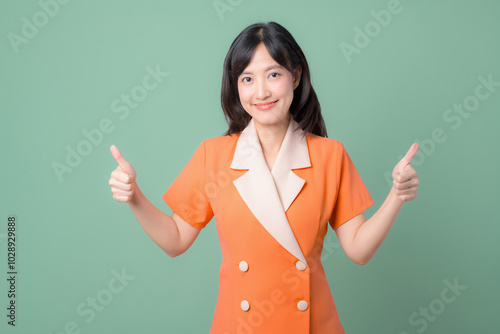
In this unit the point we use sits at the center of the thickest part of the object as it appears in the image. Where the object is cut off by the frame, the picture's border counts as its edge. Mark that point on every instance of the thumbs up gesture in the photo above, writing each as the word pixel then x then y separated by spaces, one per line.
pixel 405 179
pixel 122 180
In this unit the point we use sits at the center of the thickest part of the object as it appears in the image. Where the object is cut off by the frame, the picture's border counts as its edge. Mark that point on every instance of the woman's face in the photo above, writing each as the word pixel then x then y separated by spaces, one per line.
pixel 266 89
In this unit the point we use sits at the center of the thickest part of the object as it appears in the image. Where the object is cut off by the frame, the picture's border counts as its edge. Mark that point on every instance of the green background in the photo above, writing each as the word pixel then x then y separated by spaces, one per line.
pixel 394 91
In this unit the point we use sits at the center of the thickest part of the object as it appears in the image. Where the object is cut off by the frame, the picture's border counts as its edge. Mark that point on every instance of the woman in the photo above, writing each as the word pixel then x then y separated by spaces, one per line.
pixel 274 182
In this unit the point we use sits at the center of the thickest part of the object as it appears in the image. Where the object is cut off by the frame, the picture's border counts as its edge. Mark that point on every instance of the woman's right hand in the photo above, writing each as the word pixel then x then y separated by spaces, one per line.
pixel 122 180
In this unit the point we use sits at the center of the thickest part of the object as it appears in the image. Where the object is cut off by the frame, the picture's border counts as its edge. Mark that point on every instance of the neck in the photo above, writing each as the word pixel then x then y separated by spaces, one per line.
pixel 271 136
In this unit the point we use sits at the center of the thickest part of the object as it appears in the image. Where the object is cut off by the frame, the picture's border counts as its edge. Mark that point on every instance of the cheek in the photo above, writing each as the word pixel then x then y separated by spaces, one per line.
pixel 285 91
pixel 244 94
pixel 284 88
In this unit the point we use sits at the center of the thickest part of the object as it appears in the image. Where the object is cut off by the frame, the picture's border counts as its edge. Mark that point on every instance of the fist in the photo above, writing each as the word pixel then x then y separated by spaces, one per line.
pixel 405 179
pixel 122 180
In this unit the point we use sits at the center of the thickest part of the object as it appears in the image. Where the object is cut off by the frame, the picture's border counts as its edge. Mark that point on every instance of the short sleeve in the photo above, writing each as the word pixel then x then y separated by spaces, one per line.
pixel 352 195
pixel 186 195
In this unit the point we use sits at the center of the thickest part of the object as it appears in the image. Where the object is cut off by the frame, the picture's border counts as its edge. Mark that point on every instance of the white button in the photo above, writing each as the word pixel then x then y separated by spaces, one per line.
pixel 243 266
pixel 300 265
pixel 245 306
pixel 302 305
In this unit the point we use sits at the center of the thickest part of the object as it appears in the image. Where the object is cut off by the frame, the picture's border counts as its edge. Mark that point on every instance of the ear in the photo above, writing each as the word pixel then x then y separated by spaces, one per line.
pixel 297 73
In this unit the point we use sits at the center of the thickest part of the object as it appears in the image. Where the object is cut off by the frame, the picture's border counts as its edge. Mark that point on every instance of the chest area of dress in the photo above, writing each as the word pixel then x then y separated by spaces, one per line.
pixel 307 215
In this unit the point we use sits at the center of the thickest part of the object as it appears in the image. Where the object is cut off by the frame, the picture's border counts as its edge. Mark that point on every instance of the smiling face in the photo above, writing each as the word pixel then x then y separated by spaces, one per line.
pixel 266 90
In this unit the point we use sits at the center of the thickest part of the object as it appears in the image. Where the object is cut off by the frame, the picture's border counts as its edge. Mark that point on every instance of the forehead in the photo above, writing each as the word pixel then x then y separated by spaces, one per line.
pixel 261 61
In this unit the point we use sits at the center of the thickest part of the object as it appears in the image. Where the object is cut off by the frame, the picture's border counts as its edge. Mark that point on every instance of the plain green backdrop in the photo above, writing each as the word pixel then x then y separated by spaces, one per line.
pixel 65 66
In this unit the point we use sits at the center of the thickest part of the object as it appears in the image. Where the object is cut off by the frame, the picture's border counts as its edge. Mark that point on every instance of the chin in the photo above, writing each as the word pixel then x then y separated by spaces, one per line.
pixel 269 119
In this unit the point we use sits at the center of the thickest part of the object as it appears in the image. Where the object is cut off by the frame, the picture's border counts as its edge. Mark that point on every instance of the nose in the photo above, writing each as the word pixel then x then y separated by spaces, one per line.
pixel 261 90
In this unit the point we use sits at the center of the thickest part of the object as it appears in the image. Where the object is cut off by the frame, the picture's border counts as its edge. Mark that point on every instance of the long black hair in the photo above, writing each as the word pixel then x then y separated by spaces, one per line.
pixel 305 108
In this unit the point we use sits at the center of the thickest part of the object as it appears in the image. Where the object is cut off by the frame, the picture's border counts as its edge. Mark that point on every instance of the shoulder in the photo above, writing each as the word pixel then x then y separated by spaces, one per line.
pixel 219 149
pixel 322 145
pixel 221 142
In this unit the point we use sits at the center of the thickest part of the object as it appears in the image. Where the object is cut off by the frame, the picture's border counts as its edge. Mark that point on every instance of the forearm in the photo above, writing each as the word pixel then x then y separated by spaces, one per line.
pixel 361 237
pixel 160 227
pixel 372 233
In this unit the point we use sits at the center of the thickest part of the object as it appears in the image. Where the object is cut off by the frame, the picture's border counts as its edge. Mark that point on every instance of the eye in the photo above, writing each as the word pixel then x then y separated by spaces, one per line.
pixel 275 74
pixel 244 79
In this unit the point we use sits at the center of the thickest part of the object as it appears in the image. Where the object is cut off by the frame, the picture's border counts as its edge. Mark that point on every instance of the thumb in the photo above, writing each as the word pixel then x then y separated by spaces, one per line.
pixel 124 164
pixel 409 155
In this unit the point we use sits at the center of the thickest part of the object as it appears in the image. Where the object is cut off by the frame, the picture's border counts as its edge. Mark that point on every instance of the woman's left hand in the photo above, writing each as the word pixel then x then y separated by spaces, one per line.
pixel 405 179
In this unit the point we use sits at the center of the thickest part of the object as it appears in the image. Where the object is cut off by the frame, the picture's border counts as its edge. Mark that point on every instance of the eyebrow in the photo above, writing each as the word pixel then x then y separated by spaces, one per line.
pixel 267 69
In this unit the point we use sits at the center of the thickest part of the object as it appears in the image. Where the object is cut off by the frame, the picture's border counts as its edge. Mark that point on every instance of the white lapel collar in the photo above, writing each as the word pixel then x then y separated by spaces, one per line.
pixel 268 194
pixel 293 154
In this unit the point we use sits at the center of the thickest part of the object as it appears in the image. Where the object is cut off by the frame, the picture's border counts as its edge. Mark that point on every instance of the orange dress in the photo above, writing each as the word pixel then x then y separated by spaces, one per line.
pixel 271 225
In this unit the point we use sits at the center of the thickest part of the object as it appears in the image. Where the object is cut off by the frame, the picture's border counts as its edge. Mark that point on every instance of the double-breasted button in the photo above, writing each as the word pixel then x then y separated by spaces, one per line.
pixel 300 265
pixel 245 305
pixel 243 266
pixel 302 305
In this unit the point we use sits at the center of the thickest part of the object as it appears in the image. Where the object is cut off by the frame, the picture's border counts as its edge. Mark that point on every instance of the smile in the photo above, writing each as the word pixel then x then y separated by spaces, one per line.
pixel 265 106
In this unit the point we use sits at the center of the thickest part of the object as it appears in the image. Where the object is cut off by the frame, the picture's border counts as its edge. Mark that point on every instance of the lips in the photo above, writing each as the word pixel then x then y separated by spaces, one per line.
pixel 265 105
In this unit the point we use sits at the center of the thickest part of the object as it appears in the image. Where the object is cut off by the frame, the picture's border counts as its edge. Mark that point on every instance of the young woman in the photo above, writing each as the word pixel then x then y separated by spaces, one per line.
pixel 274 182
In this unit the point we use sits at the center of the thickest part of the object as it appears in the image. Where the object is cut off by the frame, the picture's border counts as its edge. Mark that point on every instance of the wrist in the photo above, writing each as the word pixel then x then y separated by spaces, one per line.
pixel 395 198
pixel 136 194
